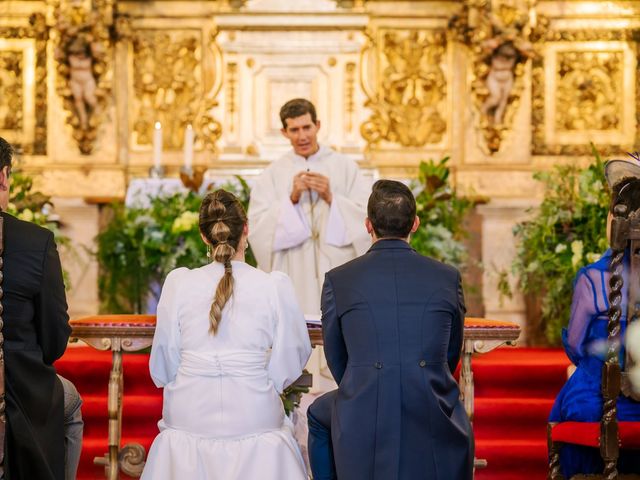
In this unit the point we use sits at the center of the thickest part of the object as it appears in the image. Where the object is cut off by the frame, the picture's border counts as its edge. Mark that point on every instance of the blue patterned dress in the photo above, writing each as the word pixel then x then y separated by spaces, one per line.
pixel 585 342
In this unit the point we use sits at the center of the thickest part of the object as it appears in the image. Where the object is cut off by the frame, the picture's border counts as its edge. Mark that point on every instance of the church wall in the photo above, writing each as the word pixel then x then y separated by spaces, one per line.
pixel 394 82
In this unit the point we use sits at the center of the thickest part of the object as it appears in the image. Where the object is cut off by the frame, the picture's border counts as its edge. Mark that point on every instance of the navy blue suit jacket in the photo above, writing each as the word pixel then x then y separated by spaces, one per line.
pixel 393 327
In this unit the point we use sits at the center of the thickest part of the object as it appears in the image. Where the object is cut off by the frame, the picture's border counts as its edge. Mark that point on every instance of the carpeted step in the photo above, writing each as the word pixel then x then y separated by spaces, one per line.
pixel 140 412
pixel 91 369
pixel 532 372
pixel 522 458
pixel 498 417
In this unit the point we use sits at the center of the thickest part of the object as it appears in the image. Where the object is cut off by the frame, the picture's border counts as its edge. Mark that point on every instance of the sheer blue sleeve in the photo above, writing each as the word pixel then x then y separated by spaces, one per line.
pixel 583 308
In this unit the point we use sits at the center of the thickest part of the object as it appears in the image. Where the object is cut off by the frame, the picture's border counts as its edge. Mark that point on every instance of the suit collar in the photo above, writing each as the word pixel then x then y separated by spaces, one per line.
pixel 390 243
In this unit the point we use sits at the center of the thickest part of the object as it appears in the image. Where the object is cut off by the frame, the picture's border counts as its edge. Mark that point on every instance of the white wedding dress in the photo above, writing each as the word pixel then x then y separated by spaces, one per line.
pixel 222 417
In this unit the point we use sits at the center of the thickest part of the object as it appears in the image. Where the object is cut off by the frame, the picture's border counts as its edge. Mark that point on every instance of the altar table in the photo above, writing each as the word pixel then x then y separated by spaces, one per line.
pixel 129 333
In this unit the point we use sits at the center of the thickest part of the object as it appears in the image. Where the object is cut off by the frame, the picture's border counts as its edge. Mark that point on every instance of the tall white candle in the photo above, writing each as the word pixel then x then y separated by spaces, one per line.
pixel 157 145
pixel 188 147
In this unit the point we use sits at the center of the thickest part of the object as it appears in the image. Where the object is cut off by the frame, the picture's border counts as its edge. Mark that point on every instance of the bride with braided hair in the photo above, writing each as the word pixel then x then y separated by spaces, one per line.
pixel 229 338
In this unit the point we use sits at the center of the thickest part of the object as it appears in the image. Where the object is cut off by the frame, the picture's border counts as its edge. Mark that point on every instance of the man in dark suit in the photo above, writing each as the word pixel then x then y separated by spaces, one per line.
pixel 36 331
pixel 393 323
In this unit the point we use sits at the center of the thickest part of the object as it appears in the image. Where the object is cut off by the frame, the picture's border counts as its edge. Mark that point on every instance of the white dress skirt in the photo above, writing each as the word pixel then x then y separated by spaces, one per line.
pixel 222 416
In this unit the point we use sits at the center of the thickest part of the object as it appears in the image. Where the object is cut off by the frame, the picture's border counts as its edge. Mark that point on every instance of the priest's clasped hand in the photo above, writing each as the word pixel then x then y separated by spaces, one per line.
pixel 311 181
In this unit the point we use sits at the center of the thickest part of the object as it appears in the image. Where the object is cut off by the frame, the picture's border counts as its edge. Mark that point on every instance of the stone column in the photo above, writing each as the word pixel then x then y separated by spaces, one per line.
pixel 79 221
pixel 498 251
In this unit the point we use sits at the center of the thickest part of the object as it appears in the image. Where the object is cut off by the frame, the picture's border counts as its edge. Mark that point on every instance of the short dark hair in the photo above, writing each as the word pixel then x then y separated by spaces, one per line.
pixel 296 108
pixel 391 209
pixel 6 153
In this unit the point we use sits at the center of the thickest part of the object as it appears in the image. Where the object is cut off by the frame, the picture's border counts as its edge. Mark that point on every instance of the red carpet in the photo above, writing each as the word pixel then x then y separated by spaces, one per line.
pixel 515 389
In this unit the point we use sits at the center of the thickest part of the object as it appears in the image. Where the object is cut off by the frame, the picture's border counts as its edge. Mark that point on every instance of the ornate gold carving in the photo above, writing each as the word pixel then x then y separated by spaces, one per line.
pixel 232 71
pixel 37 30
pixel 211 129
pixel 11 91
pixel 590 93
pixel 192 178
pixel 409 98
pixel 350 3
pixel 132 459
pixel 349 93
pixel 167 83
pixel 83 52
pixel 233 4
pixel 497 35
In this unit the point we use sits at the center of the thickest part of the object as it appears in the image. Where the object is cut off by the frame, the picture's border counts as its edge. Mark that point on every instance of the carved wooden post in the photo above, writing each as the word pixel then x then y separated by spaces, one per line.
pixel 554 456
pixel 609 441
pixel 3 417
pixel 633 302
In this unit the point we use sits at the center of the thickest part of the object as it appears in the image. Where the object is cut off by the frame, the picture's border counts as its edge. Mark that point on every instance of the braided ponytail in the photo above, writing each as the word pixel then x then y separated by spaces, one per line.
pixel 222 220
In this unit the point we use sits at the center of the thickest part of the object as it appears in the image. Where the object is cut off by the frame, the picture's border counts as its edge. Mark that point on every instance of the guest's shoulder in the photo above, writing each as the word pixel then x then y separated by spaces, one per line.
pixel 24 235
pixel 594 273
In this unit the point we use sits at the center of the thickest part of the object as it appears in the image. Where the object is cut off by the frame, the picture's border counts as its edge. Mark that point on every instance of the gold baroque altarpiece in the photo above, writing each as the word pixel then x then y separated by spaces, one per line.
pixel 404 79
pixel 584 89
pixel 23 85
pixel 83 54
pixel 496 34
pixel 423 80
pixel 169 86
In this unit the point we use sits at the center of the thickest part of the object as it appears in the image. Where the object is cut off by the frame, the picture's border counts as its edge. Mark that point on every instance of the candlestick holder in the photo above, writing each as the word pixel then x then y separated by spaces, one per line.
pixel 192 178
pixel 156 171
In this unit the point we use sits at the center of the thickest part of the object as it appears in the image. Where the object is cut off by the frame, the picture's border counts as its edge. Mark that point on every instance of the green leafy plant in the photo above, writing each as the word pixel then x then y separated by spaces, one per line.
pixel 32 206
pixel 566 232
pixel 442 213
pixel 140 246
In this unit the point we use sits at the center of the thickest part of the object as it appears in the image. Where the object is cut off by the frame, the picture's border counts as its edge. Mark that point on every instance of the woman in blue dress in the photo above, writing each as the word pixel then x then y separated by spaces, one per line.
pixel 585 339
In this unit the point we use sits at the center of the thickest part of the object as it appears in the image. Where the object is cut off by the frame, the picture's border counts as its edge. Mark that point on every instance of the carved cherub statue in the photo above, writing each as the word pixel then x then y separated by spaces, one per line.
pixel 81 80
pixel 500 81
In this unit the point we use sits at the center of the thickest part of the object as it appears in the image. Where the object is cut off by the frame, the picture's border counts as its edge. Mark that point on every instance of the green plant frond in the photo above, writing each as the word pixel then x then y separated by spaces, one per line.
pixel 36 207
pixel 566 231
pixel 140 246
pixel 442 213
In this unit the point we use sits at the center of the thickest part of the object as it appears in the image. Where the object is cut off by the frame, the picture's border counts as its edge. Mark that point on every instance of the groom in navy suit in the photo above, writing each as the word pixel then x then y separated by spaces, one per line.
pixel 393 324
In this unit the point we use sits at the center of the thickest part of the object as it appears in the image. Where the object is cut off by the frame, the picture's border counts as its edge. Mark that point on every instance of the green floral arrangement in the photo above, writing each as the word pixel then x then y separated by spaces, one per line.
pixel 32 206
pixel 442 212
pixel 140 246
pixel 567 232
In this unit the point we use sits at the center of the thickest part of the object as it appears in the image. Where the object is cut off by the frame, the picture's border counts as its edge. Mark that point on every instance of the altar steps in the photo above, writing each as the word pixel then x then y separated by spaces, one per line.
pixel 515 389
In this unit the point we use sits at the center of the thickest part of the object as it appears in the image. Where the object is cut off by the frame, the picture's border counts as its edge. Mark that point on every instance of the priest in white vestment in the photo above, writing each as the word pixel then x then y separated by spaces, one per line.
pixel 307 209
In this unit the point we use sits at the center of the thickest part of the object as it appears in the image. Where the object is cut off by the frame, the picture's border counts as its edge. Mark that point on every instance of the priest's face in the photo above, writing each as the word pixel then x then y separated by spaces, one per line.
pixel 303 134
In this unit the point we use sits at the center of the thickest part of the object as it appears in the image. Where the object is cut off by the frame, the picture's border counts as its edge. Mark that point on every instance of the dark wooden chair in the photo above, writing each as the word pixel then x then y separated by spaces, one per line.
pixel 609 435
pixel 3 418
